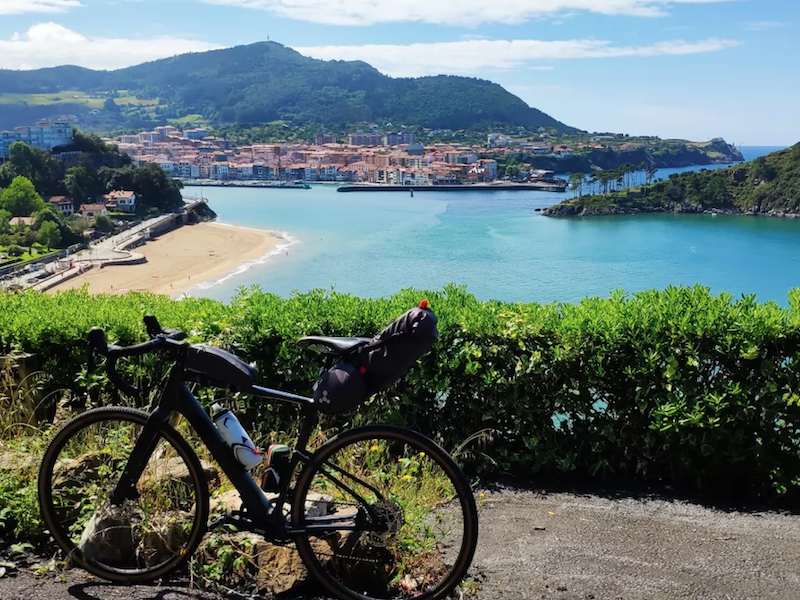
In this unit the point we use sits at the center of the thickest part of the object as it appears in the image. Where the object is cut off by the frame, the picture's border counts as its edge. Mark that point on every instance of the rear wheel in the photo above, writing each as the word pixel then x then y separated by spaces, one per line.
pixel 139 540
pixel 385 513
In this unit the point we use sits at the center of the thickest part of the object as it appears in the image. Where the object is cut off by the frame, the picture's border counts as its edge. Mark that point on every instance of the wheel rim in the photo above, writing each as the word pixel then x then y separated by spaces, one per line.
pixel 416 534
pixel 146 536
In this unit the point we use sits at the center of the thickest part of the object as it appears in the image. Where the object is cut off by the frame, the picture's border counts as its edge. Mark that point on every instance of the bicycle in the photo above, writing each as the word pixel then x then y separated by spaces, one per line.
pixel 125 496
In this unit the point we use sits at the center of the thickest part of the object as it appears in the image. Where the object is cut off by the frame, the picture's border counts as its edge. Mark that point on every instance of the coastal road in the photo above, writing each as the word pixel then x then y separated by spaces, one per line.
pixel 568 546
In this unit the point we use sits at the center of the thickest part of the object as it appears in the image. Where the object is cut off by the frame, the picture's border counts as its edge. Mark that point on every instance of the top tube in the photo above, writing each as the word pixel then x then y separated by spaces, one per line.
pixel 265 392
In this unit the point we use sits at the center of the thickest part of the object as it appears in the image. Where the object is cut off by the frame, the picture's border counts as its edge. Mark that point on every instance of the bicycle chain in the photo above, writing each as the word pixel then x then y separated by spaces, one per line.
pixel 351 558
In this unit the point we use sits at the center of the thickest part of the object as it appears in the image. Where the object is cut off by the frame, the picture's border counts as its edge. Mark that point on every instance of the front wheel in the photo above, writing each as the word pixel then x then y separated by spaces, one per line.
pixel 384 512
pixel 138 540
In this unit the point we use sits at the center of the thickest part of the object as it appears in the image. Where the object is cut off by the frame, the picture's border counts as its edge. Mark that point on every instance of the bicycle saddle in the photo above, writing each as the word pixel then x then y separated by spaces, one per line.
pixel 337 345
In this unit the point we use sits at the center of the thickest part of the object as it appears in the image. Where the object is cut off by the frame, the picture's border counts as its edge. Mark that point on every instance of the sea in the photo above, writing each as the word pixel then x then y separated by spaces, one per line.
pixel 496 244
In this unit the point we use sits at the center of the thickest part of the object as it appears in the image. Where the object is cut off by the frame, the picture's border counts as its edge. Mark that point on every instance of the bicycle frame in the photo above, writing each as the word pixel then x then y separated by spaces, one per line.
pixel 266 517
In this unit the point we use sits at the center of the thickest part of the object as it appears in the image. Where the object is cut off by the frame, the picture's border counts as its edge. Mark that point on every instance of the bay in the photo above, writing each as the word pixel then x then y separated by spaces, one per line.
pixel 497 245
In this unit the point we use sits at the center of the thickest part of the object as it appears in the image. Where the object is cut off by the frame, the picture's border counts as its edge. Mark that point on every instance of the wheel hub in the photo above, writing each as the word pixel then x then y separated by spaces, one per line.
pixel 390 519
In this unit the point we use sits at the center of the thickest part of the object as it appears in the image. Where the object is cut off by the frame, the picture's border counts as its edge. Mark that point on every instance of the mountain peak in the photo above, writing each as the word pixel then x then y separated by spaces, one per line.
pixel 267 81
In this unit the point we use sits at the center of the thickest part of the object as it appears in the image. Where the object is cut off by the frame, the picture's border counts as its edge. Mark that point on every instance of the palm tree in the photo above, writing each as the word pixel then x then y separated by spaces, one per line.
pixel 651 174
pixel 576 183
pixel 641 167
pixel 592 179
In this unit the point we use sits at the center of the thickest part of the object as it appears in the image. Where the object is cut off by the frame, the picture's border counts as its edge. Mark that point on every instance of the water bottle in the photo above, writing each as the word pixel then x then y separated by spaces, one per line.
pixel 236 437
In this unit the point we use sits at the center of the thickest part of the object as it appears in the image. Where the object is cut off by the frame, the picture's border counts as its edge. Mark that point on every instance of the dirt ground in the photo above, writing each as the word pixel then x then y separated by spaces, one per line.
pixel 568 546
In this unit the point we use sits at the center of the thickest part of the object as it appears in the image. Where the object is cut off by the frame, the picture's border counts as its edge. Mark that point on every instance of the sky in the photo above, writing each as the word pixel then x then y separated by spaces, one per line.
pixel 693 69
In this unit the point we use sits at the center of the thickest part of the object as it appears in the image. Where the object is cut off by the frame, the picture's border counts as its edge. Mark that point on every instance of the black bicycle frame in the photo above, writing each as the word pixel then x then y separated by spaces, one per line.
pixel 178 398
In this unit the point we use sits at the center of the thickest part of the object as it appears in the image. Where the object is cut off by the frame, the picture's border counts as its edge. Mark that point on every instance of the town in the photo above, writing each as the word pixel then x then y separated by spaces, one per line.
pixel 395 158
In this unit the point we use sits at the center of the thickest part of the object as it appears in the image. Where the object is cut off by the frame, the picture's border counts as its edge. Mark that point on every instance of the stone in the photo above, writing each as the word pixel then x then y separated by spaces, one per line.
pixel 12 460
pixel 275 568
pixel 115 535
pixel 317 505
pixel 175 469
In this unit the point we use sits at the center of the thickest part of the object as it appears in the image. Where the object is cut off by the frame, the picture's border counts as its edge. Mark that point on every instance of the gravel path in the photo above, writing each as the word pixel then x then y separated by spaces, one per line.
pixel 564 546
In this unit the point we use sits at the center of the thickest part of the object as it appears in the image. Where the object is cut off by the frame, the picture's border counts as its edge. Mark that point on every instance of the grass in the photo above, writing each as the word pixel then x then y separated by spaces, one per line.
pixel 124 98
pixel 406 475
pixel 135 101
pixel 63 97
pixel 38 252
pixel 193 119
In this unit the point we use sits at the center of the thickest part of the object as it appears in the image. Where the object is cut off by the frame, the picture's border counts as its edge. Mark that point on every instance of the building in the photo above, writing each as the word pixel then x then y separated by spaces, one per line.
pixel 64 204
pixel 365 139
pixel 123 200
pixel 219 170
pixel 325 138
pixel 400 137
pixel 166 131
pixel 45 136
pixel 90 211
pixel 148 137
pixel 195 134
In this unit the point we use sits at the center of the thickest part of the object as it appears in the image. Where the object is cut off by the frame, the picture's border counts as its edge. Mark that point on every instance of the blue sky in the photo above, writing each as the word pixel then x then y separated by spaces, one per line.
pixel 682 68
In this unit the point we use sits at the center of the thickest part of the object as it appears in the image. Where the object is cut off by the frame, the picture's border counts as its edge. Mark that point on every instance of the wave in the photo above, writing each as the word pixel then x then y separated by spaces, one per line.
pixel 288 241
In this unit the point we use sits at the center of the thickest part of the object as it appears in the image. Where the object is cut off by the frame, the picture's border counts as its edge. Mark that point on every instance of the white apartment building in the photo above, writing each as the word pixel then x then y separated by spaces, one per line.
pixel 45 135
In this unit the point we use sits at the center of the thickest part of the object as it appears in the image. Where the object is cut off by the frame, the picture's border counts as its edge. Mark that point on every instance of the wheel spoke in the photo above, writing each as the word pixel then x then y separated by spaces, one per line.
pixel 137 539
pixel 412 512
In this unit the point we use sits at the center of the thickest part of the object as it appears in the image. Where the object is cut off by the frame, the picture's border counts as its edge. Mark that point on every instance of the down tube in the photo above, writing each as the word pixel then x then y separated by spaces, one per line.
pixel 252 497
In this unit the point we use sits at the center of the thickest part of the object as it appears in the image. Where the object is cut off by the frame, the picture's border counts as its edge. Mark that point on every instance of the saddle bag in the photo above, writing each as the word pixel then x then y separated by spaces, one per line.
pixel 375 366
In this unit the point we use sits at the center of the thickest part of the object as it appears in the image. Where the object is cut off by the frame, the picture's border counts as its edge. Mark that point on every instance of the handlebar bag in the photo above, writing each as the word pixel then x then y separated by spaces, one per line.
pixel 378 364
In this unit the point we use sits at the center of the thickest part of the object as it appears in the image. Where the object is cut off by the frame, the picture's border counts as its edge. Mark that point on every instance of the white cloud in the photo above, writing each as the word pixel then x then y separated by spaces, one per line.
pixel 450 12
pixel 764 25
pixel 18 7
pixel 50 44
pixel 478 56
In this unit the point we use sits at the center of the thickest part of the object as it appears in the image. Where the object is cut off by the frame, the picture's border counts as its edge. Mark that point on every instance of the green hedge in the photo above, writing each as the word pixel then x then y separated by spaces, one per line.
pixel 677 386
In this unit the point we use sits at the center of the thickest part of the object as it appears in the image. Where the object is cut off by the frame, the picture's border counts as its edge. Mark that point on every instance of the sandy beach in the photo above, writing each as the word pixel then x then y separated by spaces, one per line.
pixel 180 259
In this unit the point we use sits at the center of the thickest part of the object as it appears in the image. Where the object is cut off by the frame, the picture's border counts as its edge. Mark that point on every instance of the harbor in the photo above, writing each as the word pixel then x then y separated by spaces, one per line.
pixel 541 186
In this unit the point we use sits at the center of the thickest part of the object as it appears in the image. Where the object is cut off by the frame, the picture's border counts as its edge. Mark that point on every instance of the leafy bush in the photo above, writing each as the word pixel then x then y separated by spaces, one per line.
pixel 678 386
pixel 16 250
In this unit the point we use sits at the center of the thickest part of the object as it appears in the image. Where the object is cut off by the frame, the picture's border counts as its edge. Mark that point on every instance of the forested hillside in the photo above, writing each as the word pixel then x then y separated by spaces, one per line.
pixel 768 185
pixel 266 82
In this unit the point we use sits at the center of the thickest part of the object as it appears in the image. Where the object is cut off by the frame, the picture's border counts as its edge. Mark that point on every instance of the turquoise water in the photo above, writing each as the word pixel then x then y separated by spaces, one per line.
pixel 373 244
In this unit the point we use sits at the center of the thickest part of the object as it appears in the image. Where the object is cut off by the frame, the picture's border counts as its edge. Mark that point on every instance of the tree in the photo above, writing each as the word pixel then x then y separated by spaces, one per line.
pixel 48 213
pixel 49 235
pixel 82 185
pixel 20 198
pixel 762 170
pixel 5 225
pixel 651 174
pixel 576 181
pixel 103 223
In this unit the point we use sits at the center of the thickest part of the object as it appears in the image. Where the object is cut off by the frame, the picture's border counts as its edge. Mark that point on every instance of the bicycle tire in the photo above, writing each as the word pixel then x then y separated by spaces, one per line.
pixel 61 536
pixel 437 454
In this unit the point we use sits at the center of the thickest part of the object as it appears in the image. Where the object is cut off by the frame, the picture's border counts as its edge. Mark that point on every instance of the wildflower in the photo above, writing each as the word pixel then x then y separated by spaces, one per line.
pixel 407 477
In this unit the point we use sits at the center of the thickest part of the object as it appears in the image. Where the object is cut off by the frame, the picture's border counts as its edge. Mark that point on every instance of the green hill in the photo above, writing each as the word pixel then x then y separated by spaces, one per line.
pixel 265 82
pixel 768 185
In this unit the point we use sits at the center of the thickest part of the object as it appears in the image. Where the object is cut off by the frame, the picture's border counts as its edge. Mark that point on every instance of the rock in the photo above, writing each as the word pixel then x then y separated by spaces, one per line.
pixel 225 502
pixel 12 460
pixel 116 535
pixel 317 505
pixel 75 472
pixel 175 469
pixel 276 569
